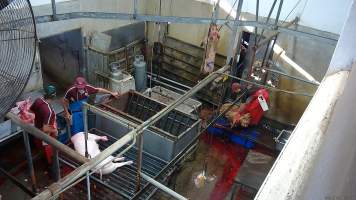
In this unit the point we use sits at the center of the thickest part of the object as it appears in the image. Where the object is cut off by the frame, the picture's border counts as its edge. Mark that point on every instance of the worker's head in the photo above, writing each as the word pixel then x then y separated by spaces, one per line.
pixel 235 87
pixel 80 82
pixel 50 92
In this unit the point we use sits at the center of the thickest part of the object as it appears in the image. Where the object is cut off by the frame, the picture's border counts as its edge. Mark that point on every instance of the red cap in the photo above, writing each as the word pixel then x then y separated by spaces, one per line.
pixel 80 82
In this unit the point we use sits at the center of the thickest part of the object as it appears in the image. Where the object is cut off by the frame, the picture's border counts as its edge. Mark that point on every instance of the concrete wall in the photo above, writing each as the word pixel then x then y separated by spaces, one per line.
pixel 61 57
pixel 313 56
pixel 87 25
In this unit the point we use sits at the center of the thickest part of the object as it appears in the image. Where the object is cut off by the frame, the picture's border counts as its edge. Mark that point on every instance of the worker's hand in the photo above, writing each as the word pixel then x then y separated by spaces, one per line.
pixel 104 138
pixel 68 118
pixel 115 94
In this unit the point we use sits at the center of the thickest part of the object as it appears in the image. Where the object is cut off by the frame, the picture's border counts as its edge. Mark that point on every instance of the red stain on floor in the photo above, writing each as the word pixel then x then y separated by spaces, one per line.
pixel 235 155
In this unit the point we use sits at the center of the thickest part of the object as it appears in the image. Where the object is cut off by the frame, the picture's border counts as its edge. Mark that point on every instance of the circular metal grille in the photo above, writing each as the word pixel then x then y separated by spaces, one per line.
pixel 17 50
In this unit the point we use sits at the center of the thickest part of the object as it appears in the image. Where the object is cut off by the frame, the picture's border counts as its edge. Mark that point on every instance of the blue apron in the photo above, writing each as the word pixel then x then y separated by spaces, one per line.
pixel 77 116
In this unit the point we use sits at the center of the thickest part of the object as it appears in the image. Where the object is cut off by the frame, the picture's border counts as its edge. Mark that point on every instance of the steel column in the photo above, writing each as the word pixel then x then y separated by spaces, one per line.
pixel 55 165
pixel 54 10
pixel 31 170
pixel 139 161
pixel 232 44
pixel 266 40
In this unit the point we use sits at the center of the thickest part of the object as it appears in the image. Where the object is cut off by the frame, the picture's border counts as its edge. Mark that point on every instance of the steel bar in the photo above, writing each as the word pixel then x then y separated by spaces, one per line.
pixel 17 182
pixel 29 159
pixel 48 139
pixel 85 123
pixel 139 162
pixel 215 13
pixel 54 10
pixel 163 187
pixel 267 87
pixel 289 76
pixel 233 35
pixel 332 39
pixel 268 18
pixel 278 12
pixel 88 186
pixel 55 165
pixel 80 171
pixel 257 11
pixel 266 40
pixel 135 9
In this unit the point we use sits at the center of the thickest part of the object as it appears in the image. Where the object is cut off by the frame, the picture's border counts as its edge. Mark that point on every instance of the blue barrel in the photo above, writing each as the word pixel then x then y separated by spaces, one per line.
pixel 140 73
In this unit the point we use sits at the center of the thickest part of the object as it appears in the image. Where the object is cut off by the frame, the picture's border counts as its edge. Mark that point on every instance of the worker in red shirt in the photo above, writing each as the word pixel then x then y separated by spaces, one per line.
pixel 252 111
pixel 45 119
pixel 74 99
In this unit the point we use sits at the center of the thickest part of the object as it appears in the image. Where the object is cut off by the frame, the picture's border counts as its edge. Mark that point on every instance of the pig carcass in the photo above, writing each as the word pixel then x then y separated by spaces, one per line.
pixel 108 165
pixel 22 110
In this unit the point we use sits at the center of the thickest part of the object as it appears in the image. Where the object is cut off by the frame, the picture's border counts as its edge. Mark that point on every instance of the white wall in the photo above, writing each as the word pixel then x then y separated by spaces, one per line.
pixel 325 15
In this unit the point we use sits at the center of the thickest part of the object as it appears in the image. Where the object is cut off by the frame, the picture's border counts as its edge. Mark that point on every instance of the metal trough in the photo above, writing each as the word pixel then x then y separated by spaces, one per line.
pixel 168 137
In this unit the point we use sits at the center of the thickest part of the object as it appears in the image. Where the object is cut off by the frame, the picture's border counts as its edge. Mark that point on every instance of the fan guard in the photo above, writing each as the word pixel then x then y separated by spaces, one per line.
pixel 17 50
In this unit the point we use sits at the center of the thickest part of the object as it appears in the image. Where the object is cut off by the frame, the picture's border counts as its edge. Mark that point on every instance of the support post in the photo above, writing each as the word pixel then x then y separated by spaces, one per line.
pixel 31 170
pixel 55 165
pixel 135 9
pixel 54 10
pixel 139 161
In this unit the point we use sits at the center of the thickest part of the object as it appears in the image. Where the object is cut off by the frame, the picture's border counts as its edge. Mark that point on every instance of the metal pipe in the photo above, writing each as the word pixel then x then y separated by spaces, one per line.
pixel 264 41
pixel 139 161
pixel 80 171
pixel 232 44
pixel 55 165
pixel 31 170
pixel 17 183
pixel 135 9
pixel 88 185
pixel 268 18
pixel 85 123
pixel 267 87
pixel 257 9
pixel 163 187
pixel 289 76
pixel 54 10
pixel 48 139
pixel 278 12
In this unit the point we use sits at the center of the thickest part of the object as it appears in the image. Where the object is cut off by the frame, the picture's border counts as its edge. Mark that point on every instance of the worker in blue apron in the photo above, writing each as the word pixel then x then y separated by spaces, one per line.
pixel 73 101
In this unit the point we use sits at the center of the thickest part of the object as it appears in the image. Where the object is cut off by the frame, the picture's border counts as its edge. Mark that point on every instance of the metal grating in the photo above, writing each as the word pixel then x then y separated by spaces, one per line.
pixel 139 108
pixel 18 48
pixel 122 183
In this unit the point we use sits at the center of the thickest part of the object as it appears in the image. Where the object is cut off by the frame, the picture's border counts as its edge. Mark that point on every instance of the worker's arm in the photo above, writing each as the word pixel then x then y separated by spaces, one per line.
pixel 105 91
pixel 65 104
pixel 50 130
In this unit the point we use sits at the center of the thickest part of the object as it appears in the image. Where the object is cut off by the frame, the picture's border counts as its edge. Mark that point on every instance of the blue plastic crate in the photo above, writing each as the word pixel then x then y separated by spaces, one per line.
pixel 246 138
